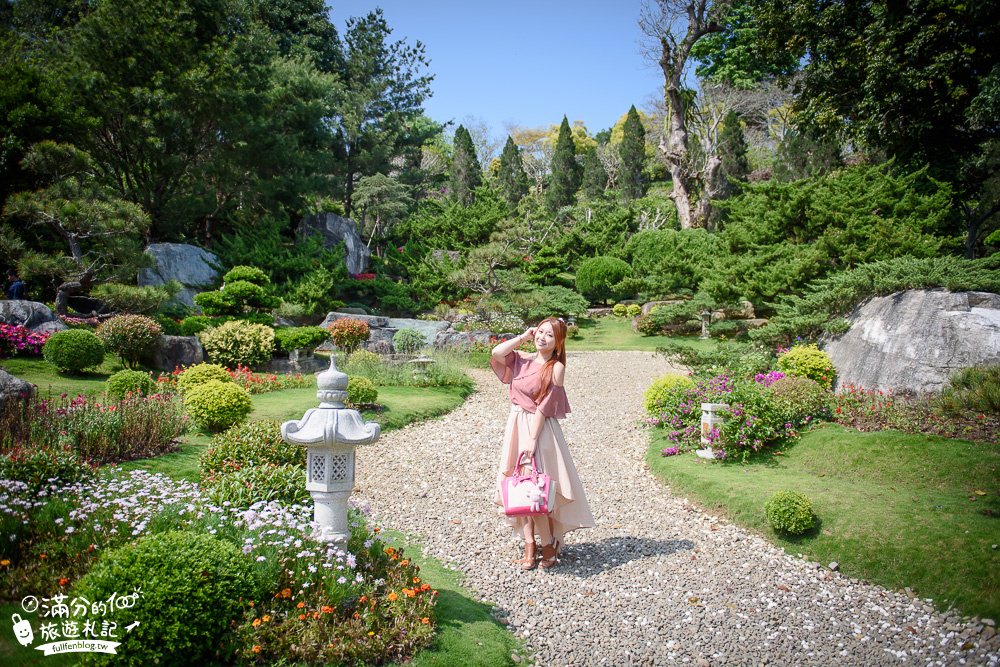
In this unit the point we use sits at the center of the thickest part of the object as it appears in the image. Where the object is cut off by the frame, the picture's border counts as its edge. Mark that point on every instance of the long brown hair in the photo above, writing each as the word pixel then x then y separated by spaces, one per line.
pixel 558 354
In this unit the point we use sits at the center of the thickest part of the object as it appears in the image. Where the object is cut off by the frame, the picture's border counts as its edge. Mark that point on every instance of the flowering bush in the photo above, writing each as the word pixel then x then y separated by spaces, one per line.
pixel 216 405
pixel 16 339
pixel 810 362
pixel 73 350
pixel 255 383
pixel 238 343
pixel 494 322
pixel 790 512
pixel 680 414
pixel 128 382
pixel 38 466
pixel 250 444
pixel 209 575
pixel 755 420
pixel 769 378
pixel 129 336
pixel 258 483
pixel 347 334
pixel 135 427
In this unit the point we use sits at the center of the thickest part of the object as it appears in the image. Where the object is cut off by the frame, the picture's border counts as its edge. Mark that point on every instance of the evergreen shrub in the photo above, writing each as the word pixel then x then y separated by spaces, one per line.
pixel 790 512
pixel 216 406
pixel 254 443
pixel 73 350
pixel 597 277
pixel 135 300
pixel 287 339
pixel 242 487
pixel 195 324
pixel 975 389
pixel 361 391
pixel 129 336
pixel 667 392
pixel 800 397
pixel 810 362
pixel 550 301
pixel 127 382
pixel 199 374
pixel 619 310
pixel 408 341
pixel 238 343
pixel 244 273
pixel 633 310
pixel 193 588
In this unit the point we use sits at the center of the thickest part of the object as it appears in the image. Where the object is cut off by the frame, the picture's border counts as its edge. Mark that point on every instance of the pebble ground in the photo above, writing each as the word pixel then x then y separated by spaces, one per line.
pixel 658 581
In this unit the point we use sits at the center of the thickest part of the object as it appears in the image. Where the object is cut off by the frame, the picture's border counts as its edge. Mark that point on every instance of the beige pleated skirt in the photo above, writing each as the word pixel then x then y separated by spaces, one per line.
pixel 570 509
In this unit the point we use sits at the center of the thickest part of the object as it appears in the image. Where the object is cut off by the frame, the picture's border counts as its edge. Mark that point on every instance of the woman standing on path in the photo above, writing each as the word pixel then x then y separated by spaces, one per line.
pixel 538 401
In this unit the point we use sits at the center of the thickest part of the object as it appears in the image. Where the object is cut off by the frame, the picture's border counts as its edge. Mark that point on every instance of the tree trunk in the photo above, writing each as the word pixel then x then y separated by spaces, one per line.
pixel 712 185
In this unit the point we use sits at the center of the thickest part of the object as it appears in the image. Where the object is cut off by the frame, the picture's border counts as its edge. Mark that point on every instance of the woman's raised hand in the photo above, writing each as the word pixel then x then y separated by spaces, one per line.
pixel 529 333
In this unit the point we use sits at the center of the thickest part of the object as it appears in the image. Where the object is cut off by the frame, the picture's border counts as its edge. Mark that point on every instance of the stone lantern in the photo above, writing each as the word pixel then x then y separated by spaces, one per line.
pixel 420 365
pixel 712 417
pixel 330 434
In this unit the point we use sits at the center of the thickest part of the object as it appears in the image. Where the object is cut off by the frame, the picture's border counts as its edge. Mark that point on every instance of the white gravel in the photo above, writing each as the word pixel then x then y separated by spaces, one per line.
pixel 657 581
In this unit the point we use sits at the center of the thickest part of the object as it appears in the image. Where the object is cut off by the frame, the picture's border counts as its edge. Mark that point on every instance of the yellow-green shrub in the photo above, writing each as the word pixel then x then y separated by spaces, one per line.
pixel 361 390
pixel 808 361
pixel 238 343
pixel 663 389
pixel 215 405
pixel 199 374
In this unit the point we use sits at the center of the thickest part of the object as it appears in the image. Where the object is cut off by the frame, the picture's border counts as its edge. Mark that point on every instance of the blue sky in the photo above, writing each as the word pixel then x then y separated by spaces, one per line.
pixel 524 62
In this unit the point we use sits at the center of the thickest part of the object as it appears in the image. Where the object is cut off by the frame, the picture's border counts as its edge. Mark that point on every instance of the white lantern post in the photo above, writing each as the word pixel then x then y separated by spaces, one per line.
pixel 330 433
pixel 711 419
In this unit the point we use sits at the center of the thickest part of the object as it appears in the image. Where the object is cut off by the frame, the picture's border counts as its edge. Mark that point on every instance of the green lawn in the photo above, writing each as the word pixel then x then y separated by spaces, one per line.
pixel 896 509
pixel 615 333
pixel 44 375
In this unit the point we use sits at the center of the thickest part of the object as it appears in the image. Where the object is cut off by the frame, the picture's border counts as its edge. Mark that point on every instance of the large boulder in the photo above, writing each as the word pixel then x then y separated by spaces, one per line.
pixel 30 314
pixel 374 321
pixel 175 351
pixel 336 230
pixel 196 269
pixel 914 340
pixel 429 328
pixel 13 388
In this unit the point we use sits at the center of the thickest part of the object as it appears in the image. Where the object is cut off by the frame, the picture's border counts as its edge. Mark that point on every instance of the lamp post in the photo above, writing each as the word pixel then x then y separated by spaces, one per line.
pixel 330 433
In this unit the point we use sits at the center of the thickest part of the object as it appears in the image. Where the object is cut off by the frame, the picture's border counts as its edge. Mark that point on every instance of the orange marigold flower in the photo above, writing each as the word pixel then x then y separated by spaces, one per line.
pixel 287 593
pixel 363 599
pixel 300 605
pixel 404 563
pixel 302 617
pixel 416 580
pixel 315 614
pixel 4 562
pixel 43 556
pixel 393 597
pixel 63 581
pixel 256 648
pixel 256 622
pixel 326 609
pixel 425 587
pixel 356 616
pixel 409 592
pixel 266 618
pixel 425 620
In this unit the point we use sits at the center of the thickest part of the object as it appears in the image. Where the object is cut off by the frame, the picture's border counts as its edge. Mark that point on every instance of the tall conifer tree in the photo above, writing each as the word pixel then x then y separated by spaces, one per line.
pixel 512 179
pixel 565 171
pixel 466 174
pixel 633 155
pixel 595 177
pixel 733 153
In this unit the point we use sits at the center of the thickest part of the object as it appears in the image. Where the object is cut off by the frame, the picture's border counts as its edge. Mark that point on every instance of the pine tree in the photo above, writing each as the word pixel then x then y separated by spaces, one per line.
pixel 565 171
pixel 512 179
pixel 733 153
pixel 595 178
pixel 466 174
pixel 633 154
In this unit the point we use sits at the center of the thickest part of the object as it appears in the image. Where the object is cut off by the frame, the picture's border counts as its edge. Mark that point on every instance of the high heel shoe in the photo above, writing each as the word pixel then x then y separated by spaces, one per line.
pixel 530 554
pixel 550 556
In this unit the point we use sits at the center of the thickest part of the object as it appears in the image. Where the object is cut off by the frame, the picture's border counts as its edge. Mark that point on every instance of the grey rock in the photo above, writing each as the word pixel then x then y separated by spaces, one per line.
pixel 175 351
pixel 429 328
pixel 306 365
pixel 914 340
pixel 193 267
pixel 374 321
pixel 31 315
pixel 598 312
pixel 13 388
pixel 834 566
pixel 650 305
pixel 336 230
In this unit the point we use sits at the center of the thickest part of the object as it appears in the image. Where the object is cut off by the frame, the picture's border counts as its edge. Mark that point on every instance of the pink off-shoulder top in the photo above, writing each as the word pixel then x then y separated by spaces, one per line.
pixel 523 377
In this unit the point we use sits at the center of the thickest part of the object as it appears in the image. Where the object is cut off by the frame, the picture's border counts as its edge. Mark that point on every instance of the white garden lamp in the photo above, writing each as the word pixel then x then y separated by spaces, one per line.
pixel 712 418
pixel 330 434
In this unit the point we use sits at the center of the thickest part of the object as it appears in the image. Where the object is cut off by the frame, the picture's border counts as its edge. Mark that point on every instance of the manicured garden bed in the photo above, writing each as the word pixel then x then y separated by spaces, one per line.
pixel 895 509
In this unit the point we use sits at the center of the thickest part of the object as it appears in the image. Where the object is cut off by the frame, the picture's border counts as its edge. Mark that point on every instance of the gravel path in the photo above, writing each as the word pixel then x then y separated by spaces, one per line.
pixel 657 581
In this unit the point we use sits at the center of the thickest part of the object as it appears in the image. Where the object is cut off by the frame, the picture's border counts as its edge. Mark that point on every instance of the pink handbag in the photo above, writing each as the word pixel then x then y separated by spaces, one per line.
pixel 527 495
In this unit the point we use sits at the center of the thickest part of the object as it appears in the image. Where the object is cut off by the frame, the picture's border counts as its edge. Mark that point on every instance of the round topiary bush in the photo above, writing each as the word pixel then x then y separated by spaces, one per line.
pixel 238 343
pixel 250 444
pixel 348 334
pixel 408 341
pixel 808 361
pixel 597 277
pixel 127 382
pixel 361 391
pixel 619 310
pixel 790 512
pixel 250 274
pixel 199 374
pixel 129 336
pixel 633 310
pixel 287 339
pixel 665 392
pixel 193 587
pixel 251 484
pixel 73 350
pixel 215 405
pixel 800 397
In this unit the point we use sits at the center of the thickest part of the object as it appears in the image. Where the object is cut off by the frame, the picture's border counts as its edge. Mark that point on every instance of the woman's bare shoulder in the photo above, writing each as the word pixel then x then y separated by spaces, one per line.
pixel 558 373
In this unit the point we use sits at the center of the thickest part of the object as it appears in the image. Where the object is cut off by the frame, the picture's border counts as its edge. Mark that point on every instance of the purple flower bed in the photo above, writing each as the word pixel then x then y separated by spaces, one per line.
pixel 16 339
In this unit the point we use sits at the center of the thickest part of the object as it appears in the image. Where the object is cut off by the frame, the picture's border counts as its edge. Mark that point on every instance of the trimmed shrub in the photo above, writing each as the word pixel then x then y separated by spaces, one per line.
pixel 663 394
pixel 253 443
pixel 250 274
pixel 810 362
pixel 800 397
pixel 633 310
pixel 619 310
pixel 135 300
pixel 790 512
pixel 976 389
pixel 194 587
pixel 347 334
pixel 597 277
pixel 287 339
pixel 199 374
pixel 195 324
pixel 238 343
pixel 361 391
pixel 408 341
pixel 127 382
pixel 129 336
pixel 250 484
pixel 645 325
pixel 73 350
pixel 215 405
